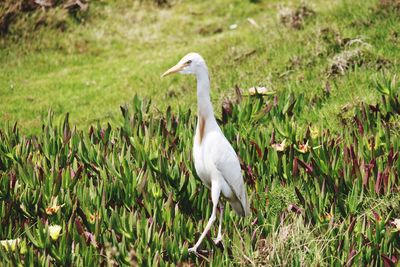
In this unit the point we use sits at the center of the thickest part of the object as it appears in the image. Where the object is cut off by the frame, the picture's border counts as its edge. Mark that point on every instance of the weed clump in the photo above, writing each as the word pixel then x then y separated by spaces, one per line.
pixel 349 58
pixel 332 39
pixel 290 239
pixel 348 53
pixel 355 53
pixel 295 18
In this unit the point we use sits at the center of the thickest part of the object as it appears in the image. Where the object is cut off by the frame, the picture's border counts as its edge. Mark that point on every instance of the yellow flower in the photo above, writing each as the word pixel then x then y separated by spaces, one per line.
pixel 314 132
pixel 54 231
pixel 54 208
pixel 93 217
pixel 260 91
pixel 10 244
pixel 303 148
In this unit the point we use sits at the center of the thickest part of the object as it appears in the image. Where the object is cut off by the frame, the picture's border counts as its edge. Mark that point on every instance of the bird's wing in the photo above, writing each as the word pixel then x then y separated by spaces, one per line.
pixel 227 163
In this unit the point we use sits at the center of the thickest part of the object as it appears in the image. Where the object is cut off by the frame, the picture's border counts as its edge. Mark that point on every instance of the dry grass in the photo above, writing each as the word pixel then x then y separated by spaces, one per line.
pixel 293 243
pixel 356 52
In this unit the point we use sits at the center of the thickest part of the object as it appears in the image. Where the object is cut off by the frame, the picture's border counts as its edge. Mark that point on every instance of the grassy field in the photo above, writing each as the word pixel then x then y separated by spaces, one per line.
pixel 319 155
pixel 123 46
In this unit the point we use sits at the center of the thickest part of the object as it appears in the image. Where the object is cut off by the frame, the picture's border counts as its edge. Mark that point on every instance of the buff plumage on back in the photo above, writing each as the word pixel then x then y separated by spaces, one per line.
pixel 202 126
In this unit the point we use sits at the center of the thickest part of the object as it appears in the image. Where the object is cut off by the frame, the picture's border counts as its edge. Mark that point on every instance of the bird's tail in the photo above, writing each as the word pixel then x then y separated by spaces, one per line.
pixel 242 205
pixel 246 204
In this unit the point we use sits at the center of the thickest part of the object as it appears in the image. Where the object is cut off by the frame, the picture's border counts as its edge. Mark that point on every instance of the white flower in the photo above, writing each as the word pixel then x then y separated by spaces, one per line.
pixel 54 231
pixel 260 91
pixel 396 223
pixel 280 147
pixel 10 244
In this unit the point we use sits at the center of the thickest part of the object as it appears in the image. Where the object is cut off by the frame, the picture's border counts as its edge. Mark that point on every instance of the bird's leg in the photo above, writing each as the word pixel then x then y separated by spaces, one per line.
pixel 208 226
pixel 215 192
pixel 221 213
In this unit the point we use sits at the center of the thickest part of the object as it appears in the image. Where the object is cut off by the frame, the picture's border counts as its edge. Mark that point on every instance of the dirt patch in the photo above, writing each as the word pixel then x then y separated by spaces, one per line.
pixel 295 17
pixel 394 37
pixel 387 6
pixel 210 29
pixel 12 10
pixel 362 23
pixel 333 40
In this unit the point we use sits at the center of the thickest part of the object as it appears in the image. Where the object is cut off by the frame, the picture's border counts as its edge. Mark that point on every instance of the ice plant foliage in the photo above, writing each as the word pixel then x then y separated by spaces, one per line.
pixel 129 192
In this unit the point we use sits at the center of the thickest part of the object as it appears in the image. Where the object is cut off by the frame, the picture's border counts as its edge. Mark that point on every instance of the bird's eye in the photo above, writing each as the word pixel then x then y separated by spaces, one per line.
pixel 188 62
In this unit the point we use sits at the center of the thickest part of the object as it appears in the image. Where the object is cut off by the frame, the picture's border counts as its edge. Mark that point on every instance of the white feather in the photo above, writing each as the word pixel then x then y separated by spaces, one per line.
pixel 216 162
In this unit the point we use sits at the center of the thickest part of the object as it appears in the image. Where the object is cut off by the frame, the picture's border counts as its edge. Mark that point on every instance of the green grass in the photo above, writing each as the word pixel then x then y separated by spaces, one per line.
pixel 123 47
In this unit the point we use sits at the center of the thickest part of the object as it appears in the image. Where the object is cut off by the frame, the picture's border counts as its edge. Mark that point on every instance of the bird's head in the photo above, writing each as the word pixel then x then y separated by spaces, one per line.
pixel 192 63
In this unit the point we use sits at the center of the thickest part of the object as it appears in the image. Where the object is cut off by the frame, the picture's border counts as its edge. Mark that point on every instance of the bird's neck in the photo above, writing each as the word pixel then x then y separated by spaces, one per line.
pixel 205 109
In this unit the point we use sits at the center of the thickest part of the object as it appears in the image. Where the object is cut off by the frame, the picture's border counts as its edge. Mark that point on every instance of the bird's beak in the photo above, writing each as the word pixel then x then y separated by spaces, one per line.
pixel 178 67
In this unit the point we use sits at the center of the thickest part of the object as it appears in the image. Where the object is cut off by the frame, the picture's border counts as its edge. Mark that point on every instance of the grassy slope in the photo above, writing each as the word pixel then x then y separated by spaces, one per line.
pixel 123 47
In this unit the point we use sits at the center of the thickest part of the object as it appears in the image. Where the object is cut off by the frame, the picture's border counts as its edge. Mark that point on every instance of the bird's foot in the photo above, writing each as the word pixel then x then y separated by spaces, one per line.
pixel 217 240
pixel 199 253
pixel 193 250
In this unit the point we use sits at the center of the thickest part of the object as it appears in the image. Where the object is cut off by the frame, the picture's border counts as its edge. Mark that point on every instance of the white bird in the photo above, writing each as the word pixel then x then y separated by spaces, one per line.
pixel 216 162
